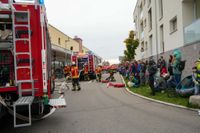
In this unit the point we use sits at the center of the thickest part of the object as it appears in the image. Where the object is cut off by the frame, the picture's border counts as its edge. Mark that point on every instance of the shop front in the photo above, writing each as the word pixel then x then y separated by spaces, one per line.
pixel 60 58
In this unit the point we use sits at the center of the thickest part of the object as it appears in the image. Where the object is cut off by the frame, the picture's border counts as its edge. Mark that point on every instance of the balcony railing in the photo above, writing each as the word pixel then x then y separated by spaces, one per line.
pixel 192 32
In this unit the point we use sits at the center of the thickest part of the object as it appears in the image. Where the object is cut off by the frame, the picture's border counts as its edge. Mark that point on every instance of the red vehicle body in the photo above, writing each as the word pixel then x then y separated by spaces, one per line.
pixel 84 59
pixel 111 67
pixel 24 52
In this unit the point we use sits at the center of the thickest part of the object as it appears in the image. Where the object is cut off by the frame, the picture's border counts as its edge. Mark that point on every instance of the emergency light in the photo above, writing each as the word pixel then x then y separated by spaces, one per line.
pixel 41 2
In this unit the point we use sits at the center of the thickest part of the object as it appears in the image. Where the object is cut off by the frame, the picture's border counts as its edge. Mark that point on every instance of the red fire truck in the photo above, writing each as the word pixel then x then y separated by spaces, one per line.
pixel 82 59
pixel 26 81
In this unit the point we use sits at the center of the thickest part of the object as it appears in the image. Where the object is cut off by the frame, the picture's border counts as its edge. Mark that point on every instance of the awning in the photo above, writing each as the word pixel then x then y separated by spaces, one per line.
pixel 60 49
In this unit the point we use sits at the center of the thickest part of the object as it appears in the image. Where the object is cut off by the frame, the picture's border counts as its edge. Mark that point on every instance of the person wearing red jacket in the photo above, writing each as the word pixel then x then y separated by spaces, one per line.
pixel 86 76
pixel 75 77
pixel 98 73
pixel 67 71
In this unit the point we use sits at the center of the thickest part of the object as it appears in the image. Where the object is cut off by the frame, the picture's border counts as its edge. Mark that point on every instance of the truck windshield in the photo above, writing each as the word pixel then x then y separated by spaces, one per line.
pixel 82 62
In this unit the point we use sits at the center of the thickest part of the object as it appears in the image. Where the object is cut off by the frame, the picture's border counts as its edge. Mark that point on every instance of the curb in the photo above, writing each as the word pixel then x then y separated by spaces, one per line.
pixel 157 101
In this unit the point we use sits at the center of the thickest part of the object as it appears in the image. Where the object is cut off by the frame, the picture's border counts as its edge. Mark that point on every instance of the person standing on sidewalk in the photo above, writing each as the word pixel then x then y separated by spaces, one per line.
pixel 142 73
pixel 196 71
pixel 170 68
pixel 177 67
pixel 75 77
pixel 152 69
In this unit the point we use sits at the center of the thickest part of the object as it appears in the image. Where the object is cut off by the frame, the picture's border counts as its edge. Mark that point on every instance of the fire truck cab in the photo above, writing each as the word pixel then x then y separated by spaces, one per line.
pixel 81 60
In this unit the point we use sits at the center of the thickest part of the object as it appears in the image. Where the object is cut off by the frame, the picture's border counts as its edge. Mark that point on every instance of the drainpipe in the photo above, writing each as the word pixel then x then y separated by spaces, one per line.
pixel 195 10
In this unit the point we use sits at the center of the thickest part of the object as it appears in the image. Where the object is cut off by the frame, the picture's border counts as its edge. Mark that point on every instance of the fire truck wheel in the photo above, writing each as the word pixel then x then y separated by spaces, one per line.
pixel 47 109
pixel 38 107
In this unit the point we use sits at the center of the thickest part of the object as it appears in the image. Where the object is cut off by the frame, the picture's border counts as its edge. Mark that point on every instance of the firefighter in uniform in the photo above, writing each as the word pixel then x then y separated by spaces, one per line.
pixel 111 75
pixel 197 77
pixel 98 73
pixel 75 77
pixel 67 71
pixel 86 76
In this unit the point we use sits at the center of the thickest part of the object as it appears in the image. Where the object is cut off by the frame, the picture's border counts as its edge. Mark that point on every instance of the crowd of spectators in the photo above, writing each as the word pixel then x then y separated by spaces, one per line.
pixel 146 72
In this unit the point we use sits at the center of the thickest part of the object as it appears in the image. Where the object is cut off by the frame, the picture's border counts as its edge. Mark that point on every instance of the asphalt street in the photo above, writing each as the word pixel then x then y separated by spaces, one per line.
pixel 98 109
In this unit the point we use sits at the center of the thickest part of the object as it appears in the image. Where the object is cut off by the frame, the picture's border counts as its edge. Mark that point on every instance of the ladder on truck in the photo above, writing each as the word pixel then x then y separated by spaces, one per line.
pixel 22 38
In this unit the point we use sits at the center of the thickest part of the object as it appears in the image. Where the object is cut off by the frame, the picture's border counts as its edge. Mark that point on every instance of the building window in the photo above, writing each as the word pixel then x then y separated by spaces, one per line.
pixel 67 40
pixel 141 11
pixel 59 41
pixel 162 45
pixel 141 31
pixel 71 48
pixel 145 22
pixel 142 46
pixel 150 19
pixel 141 27
pixel 149 3
pixel 173 25
pixel 160 2
pixel 141 7
pixel 136 22
pixel 150 45
pixel 146 46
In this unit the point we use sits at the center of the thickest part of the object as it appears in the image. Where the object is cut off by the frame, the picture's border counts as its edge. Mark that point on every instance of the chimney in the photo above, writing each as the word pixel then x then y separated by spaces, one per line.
pixel 80 42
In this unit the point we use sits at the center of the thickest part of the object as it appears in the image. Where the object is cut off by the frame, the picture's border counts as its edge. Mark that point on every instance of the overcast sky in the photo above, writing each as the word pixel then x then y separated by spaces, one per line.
pixel 102 24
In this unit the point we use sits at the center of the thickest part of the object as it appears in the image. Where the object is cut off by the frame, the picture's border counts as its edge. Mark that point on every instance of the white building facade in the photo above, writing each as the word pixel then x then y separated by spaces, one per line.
pixel 165 25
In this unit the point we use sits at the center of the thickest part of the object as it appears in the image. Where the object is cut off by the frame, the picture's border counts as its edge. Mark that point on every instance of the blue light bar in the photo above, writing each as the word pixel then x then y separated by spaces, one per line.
pixel 41 2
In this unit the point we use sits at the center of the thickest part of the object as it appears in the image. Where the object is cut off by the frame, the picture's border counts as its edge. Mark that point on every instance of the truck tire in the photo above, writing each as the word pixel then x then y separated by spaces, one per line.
pixel 2 112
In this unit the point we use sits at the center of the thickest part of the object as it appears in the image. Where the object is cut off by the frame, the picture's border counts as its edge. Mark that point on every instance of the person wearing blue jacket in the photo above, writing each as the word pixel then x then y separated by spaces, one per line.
pixel 177 72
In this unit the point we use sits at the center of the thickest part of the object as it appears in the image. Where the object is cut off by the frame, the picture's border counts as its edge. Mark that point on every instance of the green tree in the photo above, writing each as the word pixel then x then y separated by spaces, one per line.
pixel 131 46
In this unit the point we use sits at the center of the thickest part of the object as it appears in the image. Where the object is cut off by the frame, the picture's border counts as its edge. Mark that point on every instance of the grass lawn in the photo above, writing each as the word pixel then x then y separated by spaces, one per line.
pixel 145 91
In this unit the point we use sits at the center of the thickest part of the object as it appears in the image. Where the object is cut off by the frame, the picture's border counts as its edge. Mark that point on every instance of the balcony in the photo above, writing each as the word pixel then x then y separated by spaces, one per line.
pixel 192 32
